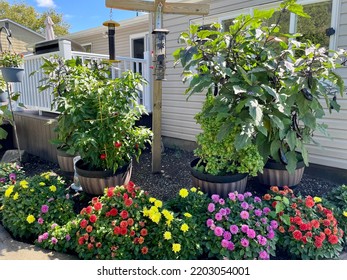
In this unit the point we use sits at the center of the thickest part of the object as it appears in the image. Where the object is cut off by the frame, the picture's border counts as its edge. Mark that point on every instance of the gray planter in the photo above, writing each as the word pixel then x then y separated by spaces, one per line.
pixel 3 96
pixel 12 74
pixel 222 185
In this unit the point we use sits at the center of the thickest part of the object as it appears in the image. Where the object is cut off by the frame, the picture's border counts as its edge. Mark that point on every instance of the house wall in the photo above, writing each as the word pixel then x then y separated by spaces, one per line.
pixel 98 36
pixel 178 114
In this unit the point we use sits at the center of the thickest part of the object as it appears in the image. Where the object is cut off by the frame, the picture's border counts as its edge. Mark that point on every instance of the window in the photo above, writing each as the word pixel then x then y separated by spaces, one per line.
pixel 87 47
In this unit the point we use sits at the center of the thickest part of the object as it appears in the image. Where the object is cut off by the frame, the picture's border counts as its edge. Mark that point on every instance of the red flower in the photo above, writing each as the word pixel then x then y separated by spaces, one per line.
pixel 327 231
pixel 95 200
pixel 83 211
pixel 130 187
pixel 117 144
pixel 83 223
pixel 110 192
pixel 124 214
pixel 341 233
pixel 304 239
pixel 333 239
pixel 291 219
pixel 93 218
pixel 125 196
pixel 309 202
pixel 318 243
pixel 322 236
pixel 116 230
pixel 298 221
pixel 144 250
pixel 297 234
pixel 274 189
pixel 97 206
pixel 330 217
pixel 130 222
pixel 86 236
pixel 81 240
pixel 273 204
pixel 291 228
pixel 98 245
pixel 294 205
pixel 142 224
pixel 308 234
pixel 102 156
pixel 326 222
pixel 128 202
pixel 303 227
pixel 267 196
pixel 315 223
pixel 113 212
pixel 335 230
pixel 123 231
pixel 143 232
pixel 89 209
pixel 123 224
pixel 89 229
pixel 136 240
pixel 90 246
pixel 320 207
pixel 132 233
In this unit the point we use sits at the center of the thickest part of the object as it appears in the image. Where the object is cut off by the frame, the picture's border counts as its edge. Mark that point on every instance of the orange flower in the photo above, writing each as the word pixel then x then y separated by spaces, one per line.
pixel 267 196
pixel 89 229
pixel 327 231
pixel 144 250
pixel 274 189
pixel 141 240
pixel 281 229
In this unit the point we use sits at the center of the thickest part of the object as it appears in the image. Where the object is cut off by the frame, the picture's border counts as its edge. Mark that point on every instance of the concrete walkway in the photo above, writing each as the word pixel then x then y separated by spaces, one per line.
pixel 14 250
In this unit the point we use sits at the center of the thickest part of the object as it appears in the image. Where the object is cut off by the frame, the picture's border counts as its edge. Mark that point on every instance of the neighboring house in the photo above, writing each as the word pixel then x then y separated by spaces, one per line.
pixel 23 38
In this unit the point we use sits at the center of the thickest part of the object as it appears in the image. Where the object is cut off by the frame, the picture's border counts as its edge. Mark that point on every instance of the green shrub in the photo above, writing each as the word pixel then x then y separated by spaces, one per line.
pixel 32 205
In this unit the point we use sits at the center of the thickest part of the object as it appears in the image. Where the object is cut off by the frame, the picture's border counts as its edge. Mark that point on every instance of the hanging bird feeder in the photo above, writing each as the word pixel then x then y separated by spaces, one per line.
pixel 111 26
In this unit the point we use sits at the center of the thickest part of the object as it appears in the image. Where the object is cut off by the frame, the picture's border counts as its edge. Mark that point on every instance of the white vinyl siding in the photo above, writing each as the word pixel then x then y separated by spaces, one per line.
pixel 178 114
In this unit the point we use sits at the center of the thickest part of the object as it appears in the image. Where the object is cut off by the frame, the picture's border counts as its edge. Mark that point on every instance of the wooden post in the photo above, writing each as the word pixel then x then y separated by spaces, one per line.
pixel 157 101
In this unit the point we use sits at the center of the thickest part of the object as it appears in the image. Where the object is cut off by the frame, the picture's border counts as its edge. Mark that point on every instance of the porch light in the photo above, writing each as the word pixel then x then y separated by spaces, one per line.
pixel 111 25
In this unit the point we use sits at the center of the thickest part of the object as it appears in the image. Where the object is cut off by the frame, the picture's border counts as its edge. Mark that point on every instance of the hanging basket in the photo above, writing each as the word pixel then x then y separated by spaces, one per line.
pixel 12 74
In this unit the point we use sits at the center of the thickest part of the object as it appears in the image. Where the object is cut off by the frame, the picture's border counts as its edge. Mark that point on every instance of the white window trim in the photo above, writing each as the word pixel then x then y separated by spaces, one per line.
pixel 88 44
pixel 132 37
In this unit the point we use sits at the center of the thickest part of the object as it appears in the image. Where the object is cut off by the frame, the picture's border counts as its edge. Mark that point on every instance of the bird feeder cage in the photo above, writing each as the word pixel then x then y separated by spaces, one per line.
pixel 111 25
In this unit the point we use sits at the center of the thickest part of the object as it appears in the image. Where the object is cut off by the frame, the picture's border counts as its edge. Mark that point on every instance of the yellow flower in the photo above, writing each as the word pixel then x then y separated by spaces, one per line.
pixel 42 184
pixel 156 217
pixel 53 188
pixel 183 193
pixel 167 235
pixel 9 191
pixel 158 203
pixel 317 199
pixel 193 189
pixel 200 193
pixel 345 213
pixel 30 219
pixel 24 184
pixel 176 247
pixel 2 207
pixel 184 227
pixel 187 215
pixel 16 195
pixel 152 199
pixel 168 216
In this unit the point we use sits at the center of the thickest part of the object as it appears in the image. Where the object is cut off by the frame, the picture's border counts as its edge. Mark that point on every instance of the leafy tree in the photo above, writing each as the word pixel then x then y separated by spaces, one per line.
pixel 27 15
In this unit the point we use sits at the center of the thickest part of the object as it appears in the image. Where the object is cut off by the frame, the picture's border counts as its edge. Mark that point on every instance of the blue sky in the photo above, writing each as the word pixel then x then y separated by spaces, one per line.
pixel 80 14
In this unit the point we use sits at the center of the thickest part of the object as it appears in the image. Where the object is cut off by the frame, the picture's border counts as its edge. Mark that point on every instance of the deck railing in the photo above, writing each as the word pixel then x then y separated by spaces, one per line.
pixel 42 101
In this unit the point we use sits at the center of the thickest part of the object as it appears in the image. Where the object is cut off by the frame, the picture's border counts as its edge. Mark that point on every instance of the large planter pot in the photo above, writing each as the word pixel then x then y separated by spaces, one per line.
pixel 3 96
pixel 221 185
pixel 276 174
pixel 65 162
pixel 12 74
pixel 95 181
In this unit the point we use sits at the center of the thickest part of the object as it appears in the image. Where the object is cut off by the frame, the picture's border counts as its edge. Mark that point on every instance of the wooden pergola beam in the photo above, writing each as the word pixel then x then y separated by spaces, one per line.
pixel 168 8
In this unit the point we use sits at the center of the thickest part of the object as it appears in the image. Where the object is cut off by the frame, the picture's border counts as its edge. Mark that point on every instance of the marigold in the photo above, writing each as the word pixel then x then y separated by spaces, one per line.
pixel 24 184
pixel 317 199
pixel 344 213
pixel 30 219
pixel 158 203
pixel 53 188
pixel 188 215
pixel 184 227
pixel 152 199
pixel 42 184
pixel 193 189
pixel 183 193
pixel 176 247
pixel 9 191
pixel 167 235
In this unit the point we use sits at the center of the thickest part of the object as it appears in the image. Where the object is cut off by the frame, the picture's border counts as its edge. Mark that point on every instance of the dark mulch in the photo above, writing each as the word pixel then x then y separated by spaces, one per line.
pixel 175 174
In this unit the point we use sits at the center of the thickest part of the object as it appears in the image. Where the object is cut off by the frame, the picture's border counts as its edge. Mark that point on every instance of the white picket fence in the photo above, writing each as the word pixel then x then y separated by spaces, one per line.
pixel 42 101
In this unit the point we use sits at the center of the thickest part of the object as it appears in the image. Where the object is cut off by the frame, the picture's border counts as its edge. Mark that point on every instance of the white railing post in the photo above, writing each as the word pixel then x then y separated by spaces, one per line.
pixel 65 49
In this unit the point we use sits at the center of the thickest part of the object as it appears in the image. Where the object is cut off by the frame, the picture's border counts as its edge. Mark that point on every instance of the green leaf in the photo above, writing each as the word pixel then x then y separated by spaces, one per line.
pixel 255 111
pixel 225 129
pixel 309 120
pixel 279 207
pixel 292 161
pixel 285 218
pixel 244 75
pixel 298 10
pixel 241 141
pixel 263 14
pixel 285 200
pixel 291 139
pixel 274 147
pixel 277 121
pixel 271 91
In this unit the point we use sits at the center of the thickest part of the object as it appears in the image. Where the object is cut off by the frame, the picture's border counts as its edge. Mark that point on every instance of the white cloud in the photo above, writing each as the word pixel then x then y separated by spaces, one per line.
pixel 46 3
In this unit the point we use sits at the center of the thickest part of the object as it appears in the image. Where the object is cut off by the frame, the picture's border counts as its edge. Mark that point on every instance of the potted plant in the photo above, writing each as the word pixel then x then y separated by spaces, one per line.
pixel 11 65
pixel 269 82
pixel 103 113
